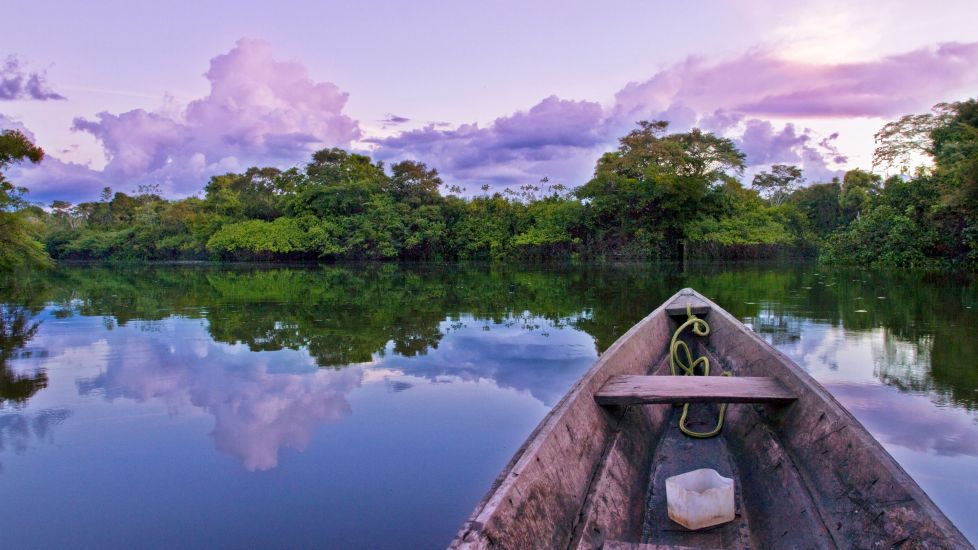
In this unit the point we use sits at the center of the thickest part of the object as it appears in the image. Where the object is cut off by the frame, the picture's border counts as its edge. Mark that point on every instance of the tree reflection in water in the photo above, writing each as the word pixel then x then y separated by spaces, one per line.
pixel 342 317
pixel 400 382
pixel 16 330
pixel 353 314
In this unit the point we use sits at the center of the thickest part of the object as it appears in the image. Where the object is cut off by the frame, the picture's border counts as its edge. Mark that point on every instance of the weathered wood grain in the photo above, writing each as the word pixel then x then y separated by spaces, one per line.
pixel 808 475
pixel 677 306
pixel 638 389
pixel 677 454
pixel 783 515
pixel 622 545
pixel 862 496
pixel 539 500
pixel 614 508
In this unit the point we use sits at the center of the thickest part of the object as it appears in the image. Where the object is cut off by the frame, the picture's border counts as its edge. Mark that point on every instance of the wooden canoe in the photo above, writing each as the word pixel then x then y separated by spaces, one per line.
pixel 807 474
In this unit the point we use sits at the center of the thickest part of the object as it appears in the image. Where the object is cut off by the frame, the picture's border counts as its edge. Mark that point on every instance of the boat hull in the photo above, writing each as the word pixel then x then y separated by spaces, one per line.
pixel 807 473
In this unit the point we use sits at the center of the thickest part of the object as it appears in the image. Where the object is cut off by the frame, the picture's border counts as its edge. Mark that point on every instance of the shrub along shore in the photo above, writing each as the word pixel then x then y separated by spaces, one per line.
pixel 660 195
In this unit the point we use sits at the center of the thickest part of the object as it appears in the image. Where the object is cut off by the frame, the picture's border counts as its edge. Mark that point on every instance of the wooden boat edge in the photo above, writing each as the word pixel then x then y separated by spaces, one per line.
pixel 818 395
pixel 552 419
pixel 855 427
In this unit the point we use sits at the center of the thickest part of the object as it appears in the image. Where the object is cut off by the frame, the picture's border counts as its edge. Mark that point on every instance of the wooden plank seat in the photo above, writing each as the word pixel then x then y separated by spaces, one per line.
pixel 698 306
pixel 807 476
pixel 638 389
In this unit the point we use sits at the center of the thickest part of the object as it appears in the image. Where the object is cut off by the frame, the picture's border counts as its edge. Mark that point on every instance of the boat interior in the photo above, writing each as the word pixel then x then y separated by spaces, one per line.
pixel 773 504
pixel 806 473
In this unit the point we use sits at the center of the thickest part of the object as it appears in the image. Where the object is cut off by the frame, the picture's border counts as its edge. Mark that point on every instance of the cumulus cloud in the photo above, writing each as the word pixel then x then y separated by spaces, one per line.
pixel 544 140
pixel 736 98
pixel 16 82
pixel 53 178
pixel 761 84
pixel 259 111
pixel 765 145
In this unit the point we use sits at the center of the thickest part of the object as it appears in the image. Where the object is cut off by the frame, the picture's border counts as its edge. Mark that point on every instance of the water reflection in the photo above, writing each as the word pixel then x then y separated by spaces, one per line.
pixel 18 430
pixel 536 356
pixel 264 401
pixel 909 421
pixel 260 403
pixel 321 360
pixel 500 316
pixel 16 330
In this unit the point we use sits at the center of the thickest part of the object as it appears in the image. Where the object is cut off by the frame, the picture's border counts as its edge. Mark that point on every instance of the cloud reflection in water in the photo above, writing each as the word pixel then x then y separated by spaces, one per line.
pixel 260 402
pixel 909 421
pixel 884 382
pixel 543 361
pixel 264 401
pixel 18 429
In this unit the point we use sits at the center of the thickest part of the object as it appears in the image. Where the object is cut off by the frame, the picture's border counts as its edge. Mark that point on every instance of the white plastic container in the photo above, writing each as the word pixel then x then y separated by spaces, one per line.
pixel 701 498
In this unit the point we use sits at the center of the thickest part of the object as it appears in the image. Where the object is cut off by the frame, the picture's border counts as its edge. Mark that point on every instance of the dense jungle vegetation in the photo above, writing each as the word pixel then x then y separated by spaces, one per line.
pixel 660 195
pixel 407 309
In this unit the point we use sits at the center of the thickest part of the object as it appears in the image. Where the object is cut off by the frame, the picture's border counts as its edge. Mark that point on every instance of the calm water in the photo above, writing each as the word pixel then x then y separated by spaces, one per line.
pixel 371 407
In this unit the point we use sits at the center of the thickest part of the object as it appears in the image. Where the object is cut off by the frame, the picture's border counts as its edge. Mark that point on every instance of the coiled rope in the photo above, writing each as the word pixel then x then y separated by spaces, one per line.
pixel 688 367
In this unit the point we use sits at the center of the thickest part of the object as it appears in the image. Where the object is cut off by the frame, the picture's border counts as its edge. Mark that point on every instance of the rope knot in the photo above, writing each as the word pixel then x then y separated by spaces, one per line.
pixel 687 365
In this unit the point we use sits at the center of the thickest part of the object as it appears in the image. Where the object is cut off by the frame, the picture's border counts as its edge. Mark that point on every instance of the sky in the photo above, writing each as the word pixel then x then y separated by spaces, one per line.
pixel 504 93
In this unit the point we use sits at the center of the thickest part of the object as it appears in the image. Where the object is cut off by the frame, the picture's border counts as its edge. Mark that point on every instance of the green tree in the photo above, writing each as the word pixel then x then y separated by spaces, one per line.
pixel 252 195
pixel 859 190
pixel 414 183
pixel 483 227
pixel 19 227
pixel 554 228
pixel 647 191
pixel 17 327
pixel 426 234
pixel 778 184
pixel 955 150
pixel 949 136
pixel 283 238
pixel 335 183
pixel 820 206
pixel 883 237
pixel 903 141
pixel 760 226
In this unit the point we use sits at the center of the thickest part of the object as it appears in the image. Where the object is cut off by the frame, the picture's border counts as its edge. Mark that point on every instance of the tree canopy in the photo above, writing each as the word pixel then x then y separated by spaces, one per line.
pixel 19 226
pixel 658 195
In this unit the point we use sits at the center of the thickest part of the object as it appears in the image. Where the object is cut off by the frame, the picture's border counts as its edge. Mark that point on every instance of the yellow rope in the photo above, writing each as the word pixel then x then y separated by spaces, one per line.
pixel 700 328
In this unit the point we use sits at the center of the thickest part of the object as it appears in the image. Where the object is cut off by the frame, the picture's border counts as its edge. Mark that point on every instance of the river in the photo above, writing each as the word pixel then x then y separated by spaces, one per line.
pixel 371 406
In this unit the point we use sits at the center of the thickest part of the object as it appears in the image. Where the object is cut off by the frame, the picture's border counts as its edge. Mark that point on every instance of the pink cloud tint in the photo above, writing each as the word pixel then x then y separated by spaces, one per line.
pixel 764 144
pixel 725 97
pixel 266 112
pixel 7 123
pixel 760 84
pixel 258 410
pixel 909 421
pixel 544 140
pixel 259 111
pixel 17 83
pixel 60 179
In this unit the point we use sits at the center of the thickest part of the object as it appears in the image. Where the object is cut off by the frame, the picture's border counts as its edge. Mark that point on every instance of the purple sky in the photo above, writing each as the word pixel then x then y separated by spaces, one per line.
pixel 503 93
